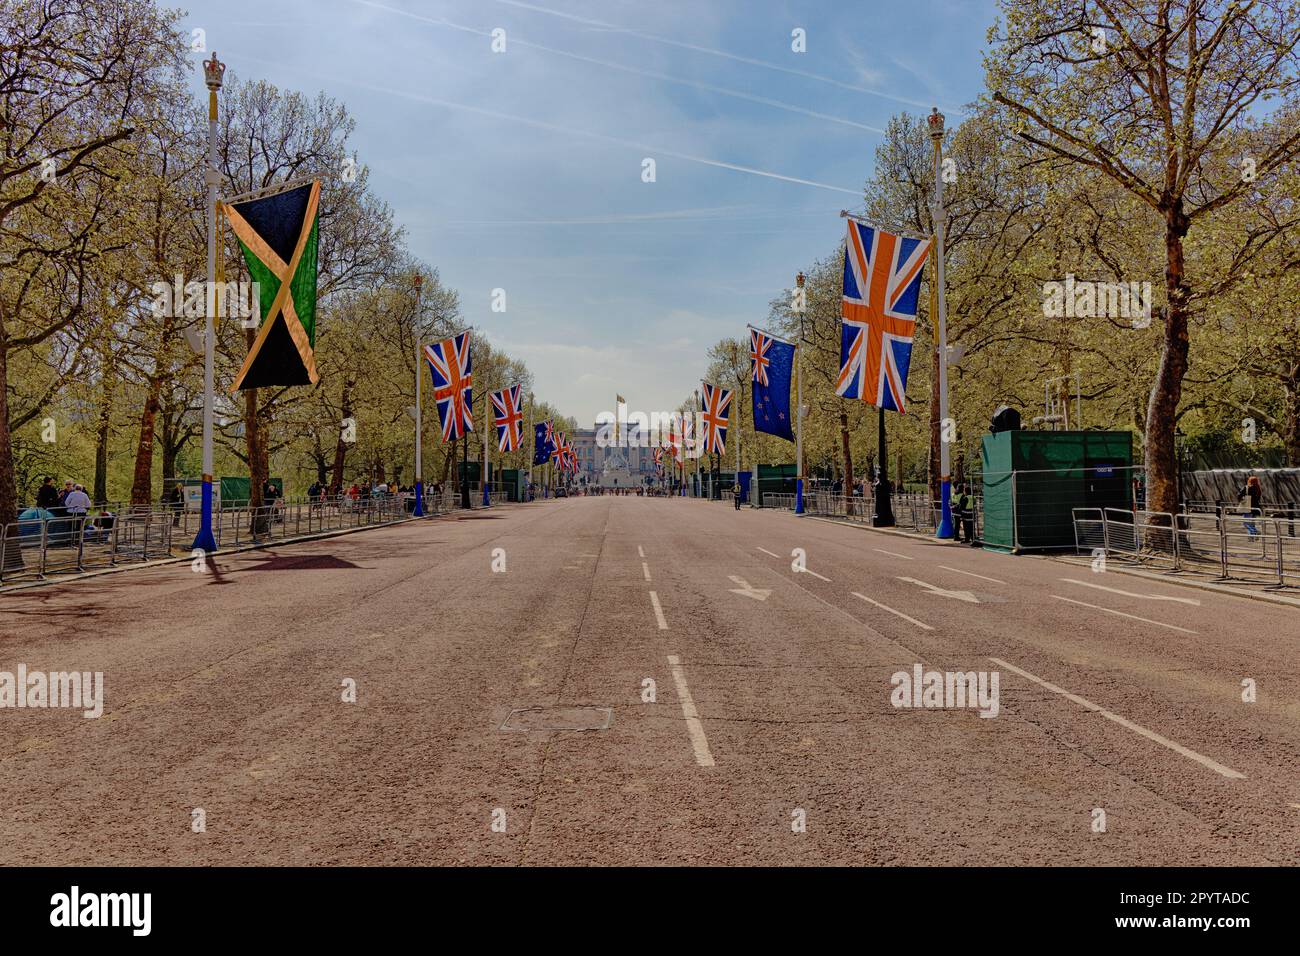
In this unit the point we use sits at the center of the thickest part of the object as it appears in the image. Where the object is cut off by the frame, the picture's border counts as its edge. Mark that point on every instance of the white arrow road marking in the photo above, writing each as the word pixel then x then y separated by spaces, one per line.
pixel 957 595
pixel 694 729
pixel 886 607
pixel 972 574
pixel 758 594
pixel 765 551
pixel 1148 597
pixel 1144 620
pixel 1136 728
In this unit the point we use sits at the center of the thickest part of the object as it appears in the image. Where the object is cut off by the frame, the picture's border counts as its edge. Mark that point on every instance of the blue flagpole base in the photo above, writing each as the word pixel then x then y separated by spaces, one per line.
pixel 798 497
pixel 204 540
pixel 418 512
pixel 487 500
pixel 945 529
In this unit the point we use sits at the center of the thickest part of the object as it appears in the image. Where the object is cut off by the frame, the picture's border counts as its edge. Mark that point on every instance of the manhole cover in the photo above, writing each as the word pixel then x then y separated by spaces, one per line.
pixel 536 719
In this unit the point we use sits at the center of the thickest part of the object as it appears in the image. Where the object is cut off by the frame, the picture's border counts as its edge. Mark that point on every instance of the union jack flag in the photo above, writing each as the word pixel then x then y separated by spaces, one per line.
pixel 716 407
pixel 759 345
pixel 882 282
pixel 449 364
pixel 670 446
pixel 688 438
pixel 508 416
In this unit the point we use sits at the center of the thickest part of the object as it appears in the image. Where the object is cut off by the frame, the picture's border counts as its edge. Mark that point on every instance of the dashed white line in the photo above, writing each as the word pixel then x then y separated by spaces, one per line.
pixel 816 575
pixel 1124 722
pixel 640 552
pixel 886 607
pixel 765 551
pixel 699 743
pixel 659 611
pixel 645 569
pixel 1144 620
pixel 894 554
pixel 1147 597
pixel 972 574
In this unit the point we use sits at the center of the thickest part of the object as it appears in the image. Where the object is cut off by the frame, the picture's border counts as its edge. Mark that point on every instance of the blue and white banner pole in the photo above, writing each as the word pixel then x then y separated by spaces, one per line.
pixel 945 528
pixel 800 304
pixel 206 541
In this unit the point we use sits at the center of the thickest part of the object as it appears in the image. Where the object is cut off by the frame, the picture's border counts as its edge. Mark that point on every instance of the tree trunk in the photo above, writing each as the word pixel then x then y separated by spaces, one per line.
pixel 12 557
pixel 103 428
pixel 142 482
pixel 1291 426
pixel 340 446
pixel 1162 410
pixel 848 455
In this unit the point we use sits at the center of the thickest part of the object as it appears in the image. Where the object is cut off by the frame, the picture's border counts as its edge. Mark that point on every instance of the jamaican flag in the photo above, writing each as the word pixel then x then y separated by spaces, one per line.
pixel 277 234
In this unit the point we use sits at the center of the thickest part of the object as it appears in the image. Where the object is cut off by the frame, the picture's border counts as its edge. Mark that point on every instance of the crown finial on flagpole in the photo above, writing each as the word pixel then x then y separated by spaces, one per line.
pixel 213 71
pixel 935 119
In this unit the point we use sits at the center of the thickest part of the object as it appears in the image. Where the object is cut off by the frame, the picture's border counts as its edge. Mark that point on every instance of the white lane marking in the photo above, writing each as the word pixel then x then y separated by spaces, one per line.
pixel 659 611
pixel 748 590
pixel 816 575
pixel 1147 597
pixel 972 574
pixel 894 554
pixel 1124 722
pixel 886 607
pixel 699 743
pixel 645 569
pixel 640 552
pixel 765 551
pixel 935 589
pixel 1144 620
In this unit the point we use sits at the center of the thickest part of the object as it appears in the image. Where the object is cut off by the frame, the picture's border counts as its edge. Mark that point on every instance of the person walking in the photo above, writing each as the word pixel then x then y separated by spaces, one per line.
pixel 176 503
pixel 735 494
pixel 1249 501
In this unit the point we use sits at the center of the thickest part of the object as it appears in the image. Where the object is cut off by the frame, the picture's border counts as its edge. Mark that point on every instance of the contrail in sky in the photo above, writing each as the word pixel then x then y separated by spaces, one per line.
pixel 653 38
pixel 650 74
pixel 540 124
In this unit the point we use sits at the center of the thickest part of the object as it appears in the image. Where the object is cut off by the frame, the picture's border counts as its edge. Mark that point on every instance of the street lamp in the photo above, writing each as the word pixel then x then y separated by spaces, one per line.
pixel 945 529
pixel 213 70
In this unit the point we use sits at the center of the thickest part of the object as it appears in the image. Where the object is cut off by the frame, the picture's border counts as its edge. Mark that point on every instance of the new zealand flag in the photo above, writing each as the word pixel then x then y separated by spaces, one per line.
pixel 772 363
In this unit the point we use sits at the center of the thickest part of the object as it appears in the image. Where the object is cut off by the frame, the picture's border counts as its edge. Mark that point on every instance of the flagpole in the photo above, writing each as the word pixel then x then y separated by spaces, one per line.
pixel 487 425
pixel 800 307
pixel 419 426
pixel 532 443
pixel 205 540
pixel 699 445
pixel 945 529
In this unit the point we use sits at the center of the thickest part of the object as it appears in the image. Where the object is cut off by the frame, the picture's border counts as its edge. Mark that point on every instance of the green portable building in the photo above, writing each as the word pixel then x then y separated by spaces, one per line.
pixel 777 479
pixel 1033 481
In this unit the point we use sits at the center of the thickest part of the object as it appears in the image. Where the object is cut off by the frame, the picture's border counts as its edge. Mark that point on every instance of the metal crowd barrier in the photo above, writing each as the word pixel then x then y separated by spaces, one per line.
pixel 36 548
pixel 1258 548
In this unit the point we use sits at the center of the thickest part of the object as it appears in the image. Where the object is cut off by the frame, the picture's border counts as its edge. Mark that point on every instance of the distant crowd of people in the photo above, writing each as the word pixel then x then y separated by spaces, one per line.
pixel 62 508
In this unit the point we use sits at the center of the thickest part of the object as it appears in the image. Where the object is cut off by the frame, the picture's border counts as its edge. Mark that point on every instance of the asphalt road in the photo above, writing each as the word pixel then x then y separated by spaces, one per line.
pixel 770 736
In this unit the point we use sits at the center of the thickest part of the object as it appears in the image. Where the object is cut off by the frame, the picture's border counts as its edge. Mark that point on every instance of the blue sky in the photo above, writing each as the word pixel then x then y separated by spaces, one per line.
pixel 522 170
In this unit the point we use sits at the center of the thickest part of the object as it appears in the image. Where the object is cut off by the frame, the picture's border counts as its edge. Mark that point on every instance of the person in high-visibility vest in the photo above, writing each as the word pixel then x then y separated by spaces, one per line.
pixel 735 494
